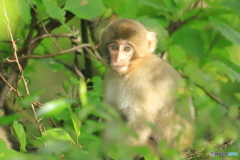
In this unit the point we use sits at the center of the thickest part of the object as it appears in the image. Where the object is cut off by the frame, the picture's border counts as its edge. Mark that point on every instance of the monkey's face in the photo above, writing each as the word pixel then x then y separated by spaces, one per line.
pixel 121 51
pixel 124 43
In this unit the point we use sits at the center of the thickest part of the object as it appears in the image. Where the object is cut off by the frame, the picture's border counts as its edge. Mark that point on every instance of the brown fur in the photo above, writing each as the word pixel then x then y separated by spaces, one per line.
pixel 4 137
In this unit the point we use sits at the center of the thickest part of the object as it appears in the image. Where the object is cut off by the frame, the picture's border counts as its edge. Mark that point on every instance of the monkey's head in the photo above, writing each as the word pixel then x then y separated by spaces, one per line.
pixel 125 40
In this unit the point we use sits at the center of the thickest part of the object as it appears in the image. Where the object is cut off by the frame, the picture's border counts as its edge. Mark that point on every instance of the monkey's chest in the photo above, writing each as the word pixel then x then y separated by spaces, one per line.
pixel 121 96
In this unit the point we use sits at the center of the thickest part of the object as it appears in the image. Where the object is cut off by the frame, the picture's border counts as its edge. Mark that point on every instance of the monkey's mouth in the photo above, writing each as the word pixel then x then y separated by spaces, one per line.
pixel 120 68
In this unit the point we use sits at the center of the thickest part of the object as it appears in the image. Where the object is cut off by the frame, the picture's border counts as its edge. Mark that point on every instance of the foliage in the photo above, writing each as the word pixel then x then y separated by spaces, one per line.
pixel 202 38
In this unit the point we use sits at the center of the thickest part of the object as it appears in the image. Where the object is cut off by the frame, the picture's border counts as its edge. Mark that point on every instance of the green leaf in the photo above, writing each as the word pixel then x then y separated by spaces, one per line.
pixel 3 146
pixel 76 123
pixel 228 32
pixel 113 152
pixel 24 10
pixel 237 95
pixel 66 86
pixel 83 92
pixel 74 81
pixel 94 98
pixel 53 10
pixel 107 12
pixel 148 7
pixel 233 66
pixel 177 56
pixel 84 112
pixel 52 64
pixel 5 120
pixel 57 134
pixel 63 116
pixel 21 135
pixel 28 100
pixel 190 40
pixel 98 85
pixel 233 75
pixel 53 107
pixel 233 4
pixel 46 45
pixel 68 28
pixel 85 9
pixel 126 8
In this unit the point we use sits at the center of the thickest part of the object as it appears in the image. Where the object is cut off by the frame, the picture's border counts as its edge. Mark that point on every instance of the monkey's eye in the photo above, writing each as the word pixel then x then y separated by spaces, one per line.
pixel 127 49
pixel 114 47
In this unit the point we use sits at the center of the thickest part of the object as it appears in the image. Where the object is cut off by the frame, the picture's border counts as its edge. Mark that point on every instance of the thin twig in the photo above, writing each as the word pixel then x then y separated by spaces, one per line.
pixel 94 54
pixel 56 54
pixel 41 129
pixel 86 46
pixel 11 87
pixel 52 35
pixel 5 89
pixel 213 97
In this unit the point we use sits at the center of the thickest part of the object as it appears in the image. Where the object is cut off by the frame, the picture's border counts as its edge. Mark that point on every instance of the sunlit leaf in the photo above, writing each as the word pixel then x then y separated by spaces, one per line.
pixel 58 134
pixel 83 92
pixel 54 107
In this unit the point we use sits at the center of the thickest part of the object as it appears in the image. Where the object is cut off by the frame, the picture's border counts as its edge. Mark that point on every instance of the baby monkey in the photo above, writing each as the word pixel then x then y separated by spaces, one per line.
pixel 143 87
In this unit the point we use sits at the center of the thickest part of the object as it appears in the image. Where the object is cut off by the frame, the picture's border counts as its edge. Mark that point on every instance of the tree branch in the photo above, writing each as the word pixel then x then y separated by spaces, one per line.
pixel 211 95
pixel 10 87
pixel 56 54
pixel 88 63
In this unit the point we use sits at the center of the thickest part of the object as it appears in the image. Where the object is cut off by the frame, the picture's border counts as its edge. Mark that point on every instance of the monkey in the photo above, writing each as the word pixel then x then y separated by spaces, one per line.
pixel 142 87
pixel 11 141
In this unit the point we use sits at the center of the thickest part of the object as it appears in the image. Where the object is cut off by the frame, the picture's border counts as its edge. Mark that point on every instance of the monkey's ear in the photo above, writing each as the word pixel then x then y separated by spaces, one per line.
pixel 152 41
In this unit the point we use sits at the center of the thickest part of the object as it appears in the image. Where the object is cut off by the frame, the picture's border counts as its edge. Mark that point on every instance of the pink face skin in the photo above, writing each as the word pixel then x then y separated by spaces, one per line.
pixel 121 53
